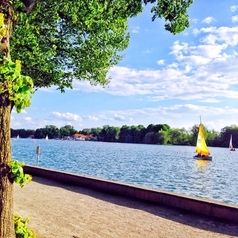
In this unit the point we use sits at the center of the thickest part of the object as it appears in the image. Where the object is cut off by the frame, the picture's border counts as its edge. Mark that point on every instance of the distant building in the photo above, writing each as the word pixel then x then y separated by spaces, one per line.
pixel 82 137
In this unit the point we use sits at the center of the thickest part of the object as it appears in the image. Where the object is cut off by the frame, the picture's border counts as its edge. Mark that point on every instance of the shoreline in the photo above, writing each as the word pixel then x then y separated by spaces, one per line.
pixel 60 210
pixel 211 208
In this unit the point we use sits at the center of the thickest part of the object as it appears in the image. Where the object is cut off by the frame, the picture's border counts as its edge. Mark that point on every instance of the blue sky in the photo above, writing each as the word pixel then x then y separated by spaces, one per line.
pixel 162 78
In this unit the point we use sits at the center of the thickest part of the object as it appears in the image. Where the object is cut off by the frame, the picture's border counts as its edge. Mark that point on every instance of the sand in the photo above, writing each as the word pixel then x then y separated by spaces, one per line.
pixel 64 211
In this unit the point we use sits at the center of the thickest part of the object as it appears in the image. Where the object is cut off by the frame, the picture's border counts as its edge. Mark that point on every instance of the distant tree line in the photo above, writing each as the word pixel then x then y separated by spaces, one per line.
pixel 160 134
pixel 51 131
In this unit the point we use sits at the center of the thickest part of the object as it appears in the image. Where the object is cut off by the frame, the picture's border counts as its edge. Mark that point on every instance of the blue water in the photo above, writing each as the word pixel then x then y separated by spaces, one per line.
pixel 168 168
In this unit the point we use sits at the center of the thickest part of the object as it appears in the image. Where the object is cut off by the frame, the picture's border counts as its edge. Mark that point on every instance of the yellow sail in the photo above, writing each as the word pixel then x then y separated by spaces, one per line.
pixel 201 147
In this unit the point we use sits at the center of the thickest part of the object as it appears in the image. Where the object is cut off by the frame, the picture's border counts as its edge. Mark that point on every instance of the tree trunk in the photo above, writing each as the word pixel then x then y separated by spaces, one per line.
pixel 6 186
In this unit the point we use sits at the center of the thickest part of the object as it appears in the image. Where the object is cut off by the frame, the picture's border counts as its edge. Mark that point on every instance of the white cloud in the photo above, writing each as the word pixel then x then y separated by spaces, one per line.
pixel 210 100
pixel 194 20
pixel 176 114
pixel 131 120
pixel 160 62
pixel 28 119
pixel 203 70
pixel 105 118
pixel 208 69
pixel 135 29
pixel 146 52
pixel 67 116
pixel 91 118
pixel 195 31
pixel 16 124
pixel 234 19
pixel 221 35
pixel 119 117
pixel 208 20
pixel 234 8
pixel 177 48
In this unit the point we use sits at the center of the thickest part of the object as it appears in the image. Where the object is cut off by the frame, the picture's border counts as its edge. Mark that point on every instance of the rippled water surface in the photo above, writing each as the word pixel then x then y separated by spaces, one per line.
pixel 169 168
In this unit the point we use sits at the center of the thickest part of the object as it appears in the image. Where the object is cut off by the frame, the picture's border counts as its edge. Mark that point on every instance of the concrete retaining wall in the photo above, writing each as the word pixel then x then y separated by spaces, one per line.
pixel 201 206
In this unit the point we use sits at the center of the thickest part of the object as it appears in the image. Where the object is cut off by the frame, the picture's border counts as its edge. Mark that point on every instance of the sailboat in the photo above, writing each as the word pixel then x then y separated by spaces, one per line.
pixel 202 150
pixel 231 145
pixel 46 137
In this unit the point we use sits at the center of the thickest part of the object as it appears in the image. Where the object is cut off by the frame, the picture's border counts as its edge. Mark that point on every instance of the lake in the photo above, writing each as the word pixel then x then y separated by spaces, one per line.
pixel 168 168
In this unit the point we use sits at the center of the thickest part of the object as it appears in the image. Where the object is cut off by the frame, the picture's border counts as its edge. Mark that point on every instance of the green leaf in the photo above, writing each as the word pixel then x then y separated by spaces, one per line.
pixel 17 173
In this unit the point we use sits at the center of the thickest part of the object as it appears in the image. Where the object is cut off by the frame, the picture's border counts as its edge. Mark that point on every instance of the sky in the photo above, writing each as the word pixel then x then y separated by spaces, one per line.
pixel 162 78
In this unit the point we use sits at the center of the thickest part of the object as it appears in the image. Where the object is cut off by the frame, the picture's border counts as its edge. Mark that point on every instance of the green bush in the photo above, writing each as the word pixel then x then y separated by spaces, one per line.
pixel 21 229
pixel 17 173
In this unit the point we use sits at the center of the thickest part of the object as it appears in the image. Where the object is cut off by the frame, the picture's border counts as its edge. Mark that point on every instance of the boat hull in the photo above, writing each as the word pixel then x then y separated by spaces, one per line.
pixel 209 157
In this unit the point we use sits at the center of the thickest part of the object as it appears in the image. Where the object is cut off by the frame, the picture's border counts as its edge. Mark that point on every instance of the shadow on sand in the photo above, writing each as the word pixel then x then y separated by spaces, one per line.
pixel 176 215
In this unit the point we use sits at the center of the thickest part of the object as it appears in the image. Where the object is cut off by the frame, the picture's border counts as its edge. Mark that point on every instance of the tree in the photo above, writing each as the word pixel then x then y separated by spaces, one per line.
pixel 126 134
pixel 57 42
pixel 193 135
pixel 213 138
pixel 22 133
pixel 40 133
pixel 174 13
pixel 67 130
pixel 149 138
pixel 225 134
pixel 52 131
pixel 178 136
pixel 163 137
pixel 86 131
pixel 139 134
pixel 96 133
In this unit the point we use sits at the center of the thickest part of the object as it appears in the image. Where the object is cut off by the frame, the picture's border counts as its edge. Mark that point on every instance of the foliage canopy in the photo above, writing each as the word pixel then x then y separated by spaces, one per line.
pixel 64 40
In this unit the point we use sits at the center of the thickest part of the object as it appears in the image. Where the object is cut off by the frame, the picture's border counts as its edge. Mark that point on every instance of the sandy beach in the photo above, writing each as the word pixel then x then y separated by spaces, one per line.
pixel 65 211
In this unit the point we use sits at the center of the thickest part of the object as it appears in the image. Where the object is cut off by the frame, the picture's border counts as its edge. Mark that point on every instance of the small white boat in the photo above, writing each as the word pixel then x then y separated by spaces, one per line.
pixel 231 145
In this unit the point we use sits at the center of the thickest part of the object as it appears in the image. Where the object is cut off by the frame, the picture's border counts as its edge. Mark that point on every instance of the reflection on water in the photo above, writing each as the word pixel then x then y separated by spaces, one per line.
pixel 201 163
pixel 169 168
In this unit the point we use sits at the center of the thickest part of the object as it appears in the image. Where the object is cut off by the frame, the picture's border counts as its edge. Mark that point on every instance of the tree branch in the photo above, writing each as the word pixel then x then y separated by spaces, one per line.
pixel 29 4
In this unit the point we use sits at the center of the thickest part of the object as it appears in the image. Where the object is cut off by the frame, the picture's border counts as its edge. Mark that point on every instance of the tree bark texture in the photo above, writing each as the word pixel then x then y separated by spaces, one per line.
pixel 6 185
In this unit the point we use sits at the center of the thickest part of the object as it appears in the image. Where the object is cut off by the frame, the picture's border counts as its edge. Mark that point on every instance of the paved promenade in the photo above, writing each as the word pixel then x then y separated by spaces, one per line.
pixel 64 211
